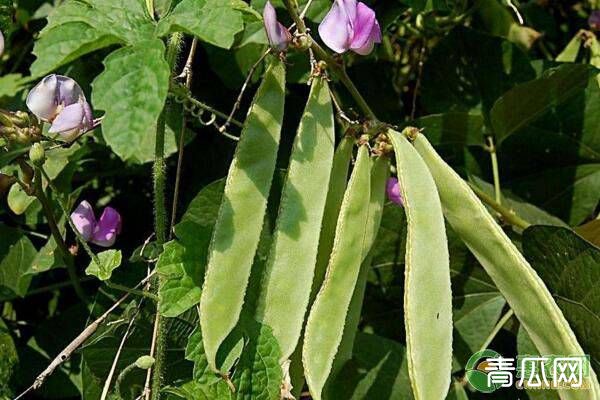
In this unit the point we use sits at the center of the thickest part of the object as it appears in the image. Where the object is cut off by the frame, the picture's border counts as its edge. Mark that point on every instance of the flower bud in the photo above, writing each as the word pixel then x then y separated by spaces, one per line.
pixel 278 35
pixel 302 42
pixel 1 43
pixel 37 154
pixel 144 362
pixel 393 191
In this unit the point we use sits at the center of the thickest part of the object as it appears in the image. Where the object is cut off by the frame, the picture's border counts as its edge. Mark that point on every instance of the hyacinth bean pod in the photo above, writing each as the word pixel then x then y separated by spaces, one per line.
pixel 325 323
pixel 518 282
pixel 241 213
pixel 337 187
pixel 379 176
pixel 289 272
pixel 427 292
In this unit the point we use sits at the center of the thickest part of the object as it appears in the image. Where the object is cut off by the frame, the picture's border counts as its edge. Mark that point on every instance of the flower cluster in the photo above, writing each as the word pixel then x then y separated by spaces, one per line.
pixel 349 25
pixel 60 101
pixel 103 231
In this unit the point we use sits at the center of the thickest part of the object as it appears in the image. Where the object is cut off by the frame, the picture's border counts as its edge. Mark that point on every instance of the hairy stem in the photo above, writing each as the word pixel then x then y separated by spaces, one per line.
pixel 334 65
pixel 495 170
pixel 160 220
pixel 60 242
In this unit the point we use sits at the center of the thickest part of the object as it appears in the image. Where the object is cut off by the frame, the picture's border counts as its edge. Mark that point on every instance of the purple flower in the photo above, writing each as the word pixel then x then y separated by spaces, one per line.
pixel 60 101
pixel 102 232
pixel 350 25
pixel 393 191
pixel 278 35
pixel 594 20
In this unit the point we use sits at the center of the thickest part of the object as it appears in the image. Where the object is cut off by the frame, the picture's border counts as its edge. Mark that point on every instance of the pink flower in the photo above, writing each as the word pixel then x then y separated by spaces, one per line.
pixel 393 191
pixel 278 35
pixel 60 101
pixel 594 20
pixel 350 25
pixel 102 232
pixel 1 43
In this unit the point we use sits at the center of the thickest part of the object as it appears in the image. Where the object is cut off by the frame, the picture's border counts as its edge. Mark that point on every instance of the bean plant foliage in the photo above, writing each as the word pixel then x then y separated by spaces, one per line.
pixel 291 199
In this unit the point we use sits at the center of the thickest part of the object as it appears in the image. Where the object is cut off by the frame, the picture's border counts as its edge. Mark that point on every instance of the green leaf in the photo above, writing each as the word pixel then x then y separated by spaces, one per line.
pixel 570 266
pixel 469 70
pixel 78 27
pixel 515 278
pixel 453 129
pixel 427 291
pixel 16 253
pixel 570 52
pixel 109 260
pixel 182 269
pixel 132 91
pixel 527 211
pixel 213 21
pixel 549 131
pixel 241 214
pixel 529 101
pixel 9 359
pixel 290 266
pixel 258 374
pixel 11 85
pixel 476 302
pixel 327 316
pixel 378 370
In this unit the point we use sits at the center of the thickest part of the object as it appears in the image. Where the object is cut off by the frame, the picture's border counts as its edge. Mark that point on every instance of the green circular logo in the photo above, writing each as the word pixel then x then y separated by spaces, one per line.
pixel 476 374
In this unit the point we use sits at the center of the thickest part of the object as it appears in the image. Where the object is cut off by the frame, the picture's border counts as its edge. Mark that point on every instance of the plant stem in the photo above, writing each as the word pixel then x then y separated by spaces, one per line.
pixel 338 68
pixel 496 329
pixel 160 218
pixel 65 211
pixel 507 215
pixel 60 242
pixel 491 148
pixel 136 292
pixel 188 74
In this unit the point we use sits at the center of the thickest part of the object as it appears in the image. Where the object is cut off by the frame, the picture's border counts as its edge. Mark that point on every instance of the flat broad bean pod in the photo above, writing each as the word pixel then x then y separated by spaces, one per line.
pixel 286 286
pixel 427 292
pixel 335 194
pixel 325 324
pixel 379 175
pixel 518 282
pixel 239 223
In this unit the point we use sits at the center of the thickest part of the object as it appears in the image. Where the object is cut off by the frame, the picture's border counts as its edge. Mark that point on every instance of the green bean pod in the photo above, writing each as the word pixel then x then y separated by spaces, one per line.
pixel 379 175
pixel 335 195
pixel 237 230
pixel 518 282
pixel 286 285
pixel 427 292
pixel 325 323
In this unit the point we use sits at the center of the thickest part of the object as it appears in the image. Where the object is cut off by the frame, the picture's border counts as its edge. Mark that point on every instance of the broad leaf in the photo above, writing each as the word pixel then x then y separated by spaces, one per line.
pixel 570 267
pixel 213 21
pixel 78 27
pixel 109 260
pixel 132 91
pixel 16 255
pixel 378 370
pixel 469 70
